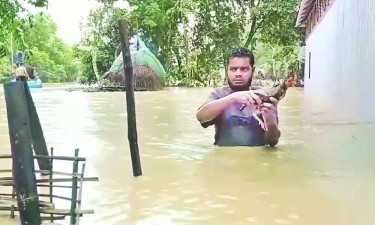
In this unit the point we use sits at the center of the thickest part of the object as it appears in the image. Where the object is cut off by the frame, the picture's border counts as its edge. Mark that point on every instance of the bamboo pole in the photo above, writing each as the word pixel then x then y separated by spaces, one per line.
pixel 130 104
pixel 22 154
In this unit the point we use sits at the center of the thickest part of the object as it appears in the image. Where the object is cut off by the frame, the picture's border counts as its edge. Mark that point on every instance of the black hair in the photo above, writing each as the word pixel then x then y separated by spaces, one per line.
pixel 242 52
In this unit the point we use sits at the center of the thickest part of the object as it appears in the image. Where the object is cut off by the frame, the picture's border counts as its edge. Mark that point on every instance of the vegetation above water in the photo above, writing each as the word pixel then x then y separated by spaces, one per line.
pixel 190 38
pixel 35 36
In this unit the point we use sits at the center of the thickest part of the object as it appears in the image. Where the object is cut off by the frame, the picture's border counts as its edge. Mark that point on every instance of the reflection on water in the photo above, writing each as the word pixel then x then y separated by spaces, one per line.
pixel 318 174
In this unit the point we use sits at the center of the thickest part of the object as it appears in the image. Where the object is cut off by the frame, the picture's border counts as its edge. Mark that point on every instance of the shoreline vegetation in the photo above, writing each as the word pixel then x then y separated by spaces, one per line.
pixel 191 41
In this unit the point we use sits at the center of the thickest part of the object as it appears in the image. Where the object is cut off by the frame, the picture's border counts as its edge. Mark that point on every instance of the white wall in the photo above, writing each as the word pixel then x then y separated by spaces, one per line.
pixel 341 87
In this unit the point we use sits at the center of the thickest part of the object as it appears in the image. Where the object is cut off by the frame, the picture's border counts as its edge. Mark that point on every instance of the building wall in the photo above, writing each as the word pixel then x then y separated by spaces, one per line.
pixel 339 64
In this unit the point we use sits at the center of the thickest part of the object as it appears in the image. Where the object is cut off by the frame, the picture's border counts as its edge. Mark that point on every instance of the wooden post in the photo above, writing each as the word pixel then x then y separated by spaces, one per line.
pixel 37 137
pixel 22 154
pixel 130 104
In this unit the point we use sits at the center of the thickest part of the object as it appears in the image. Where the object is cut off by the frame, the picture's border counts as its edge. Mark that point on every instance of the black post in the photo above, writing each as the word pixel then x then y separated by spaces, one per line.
pixel 22 154
pixel 73 204
pixel 130 104
pixel 37 137
pixel 51 183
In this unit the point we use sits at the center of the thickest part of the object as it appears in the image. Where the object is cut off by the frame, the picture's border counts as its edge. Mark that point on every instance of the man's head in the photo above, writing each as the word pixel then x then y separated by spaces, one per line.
pixel 240 69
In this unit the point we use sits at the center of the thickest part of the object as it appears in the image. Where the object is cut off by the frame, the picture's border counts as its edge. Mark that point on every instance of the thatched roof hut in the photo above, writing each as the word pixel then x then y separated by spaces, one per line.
pixel 148 72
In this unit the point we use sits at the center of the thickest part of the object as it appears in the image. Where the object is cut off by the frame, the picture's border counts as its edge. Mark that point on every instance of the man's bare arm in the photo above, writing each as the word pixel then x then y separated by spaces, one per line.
pixel 211 110
pixel 269 112
pixel 272 135
pixel 26 74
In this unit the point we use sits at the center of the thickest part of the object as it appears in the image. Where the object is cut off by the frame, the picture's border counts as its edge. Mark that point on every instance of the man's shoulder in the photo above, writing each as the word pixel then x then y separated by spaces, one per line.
pixel 222 91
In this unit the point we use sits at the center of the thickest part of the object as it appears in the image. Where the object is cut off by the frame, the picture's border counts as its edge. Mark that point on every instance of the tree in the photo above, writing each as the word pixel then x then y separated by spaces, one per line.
pixel 97 49
pixel 11 32
pixel 218 28
pixel 192 38
pixel 49 54
pixel 35 34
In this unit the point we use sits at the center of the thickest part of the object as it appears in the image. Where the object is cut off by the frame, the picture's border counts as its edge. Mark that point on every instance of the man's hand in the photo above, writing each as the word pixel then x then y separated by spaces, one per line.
pixel 269 113
pixel 247 98
pixel 212 109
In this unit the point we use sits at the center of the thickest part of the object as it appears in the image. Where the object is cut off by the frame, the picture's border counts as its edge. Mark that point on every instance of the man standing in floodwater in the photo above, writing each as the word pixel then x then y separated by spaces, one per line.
pixel 231 108
pixel 21 73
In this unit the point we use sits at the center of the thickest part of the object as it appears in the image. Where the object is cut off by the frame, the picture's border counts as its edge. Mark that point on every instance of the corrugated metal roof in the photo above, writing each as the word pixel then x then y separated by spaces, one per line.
pixel 304 12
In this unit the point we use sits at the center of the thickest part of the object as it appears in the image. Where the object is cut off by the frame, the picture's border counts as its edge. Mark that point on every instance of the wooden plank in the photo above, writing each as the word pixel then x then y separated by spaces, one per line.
pixel 6 194
pixel 47 172
pixel 55 196
pixel 55 186
pixel 67 211
pixel 60 158
pixel 13 201
pixel 5 156
pixel 54 211
pixel 65 179
pixel 53 218
pixel 8 156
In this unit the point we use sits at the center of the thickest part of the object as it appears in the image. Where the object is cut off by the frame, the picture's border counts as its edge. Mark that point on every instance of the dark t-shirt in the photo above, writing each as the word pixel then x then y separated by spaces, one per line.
pixel 233 126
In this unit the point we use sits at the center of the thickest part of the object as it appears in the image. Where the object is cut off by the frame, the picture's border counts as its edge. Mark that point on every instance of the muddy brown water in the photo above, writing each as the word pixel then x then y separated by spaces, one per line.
pixel 319 173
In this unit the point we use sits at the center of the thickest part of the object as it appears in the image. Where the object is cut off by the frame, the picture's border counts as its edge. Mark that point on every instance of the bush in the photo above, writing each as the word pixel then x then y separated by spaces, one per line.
pixel 5 77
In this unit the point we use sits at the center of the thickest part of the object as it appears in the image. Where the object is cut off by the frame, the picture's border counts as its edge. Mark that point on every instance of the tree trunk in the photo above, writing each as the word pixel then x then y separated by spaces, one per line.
pixel 95 66
pixel 251 33
pixel 178 58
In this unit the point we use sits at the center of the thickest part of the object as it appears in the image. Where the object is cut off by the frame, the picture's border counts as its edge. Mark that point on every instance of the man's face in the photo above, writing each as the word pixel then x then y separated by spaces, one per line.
pixel 240 72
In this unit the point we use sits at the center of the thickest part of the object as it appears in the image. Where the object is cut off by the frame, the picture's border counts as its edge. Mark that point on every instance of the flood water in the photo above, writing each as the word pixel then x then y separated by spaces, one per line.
pixel 319 173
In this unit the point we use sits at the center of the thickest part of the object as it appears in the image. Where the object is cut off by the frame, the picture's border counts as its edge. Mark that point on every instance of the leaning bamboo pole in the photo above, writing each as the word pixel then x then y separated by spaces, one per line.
pixel 22 153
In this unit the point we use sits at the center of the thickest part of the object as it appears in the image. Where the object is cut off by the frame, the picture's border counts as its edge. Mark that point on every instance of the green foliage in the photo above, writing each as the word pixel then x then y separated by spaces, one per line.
pixel 8 12
pixel 53 59
pixel 277 27
pixel 49 71
pixel 192 38
pixel 5 68
pixel 39 3
pixel 100 40
pixel 277 61
pixel 87 75
pixel 11 27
